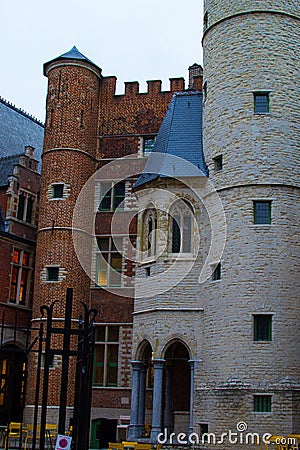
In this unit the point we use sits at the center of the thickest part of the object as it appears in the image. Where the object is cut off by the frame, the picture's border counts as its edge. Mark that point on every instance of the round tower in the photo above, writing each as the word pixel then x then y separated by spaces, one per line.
pixel 69 159
pixel 251 352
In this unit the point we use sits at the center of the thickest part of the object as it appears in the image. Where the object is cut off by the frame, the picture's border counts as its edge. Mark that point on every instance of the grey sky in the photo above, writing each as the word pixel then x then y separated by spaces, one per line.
pixel 136 40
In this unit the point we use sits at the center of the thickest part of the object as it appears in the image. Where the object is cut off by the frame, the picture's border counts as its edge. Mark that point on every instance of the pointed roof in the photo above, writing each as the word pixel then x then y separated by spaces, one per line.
pixel 73 54
pixel 180 136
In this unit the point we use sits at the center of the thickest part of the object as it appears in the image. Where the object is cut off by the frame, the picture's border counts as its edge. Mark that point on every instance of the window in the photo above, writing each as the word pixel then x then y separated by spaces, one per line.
pixel 218 163
pixel 148 144
pixel 109 262
pixel 205 21
pixel 204 433
pixel 262 212
pixel 20 277
pixel 106 356
pixel 58 190
pixel 261 102
pixel 112 195
pixel 262 327
pixel 262 403
pixel 25 207
pixel 217 273
pixel 181 227
pixel 52 273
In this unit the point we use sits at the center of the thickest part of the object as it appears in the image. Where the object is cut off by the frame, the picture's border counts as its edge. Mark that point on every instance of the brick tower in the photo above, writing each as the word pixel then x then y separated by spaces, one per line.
pixel 251 353
pixel 69 156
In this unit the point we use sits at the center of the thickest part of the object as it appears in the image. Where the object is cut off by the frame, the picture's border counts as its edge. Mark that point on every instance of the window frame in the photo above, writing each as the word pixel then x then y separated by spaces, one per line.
pixel 110 251
pixel 147 150
pixel 217 273
pixel 258 333
pixel 181 226
pixel 265 94
pixel 255 213
pixel 15 288
pixel 106 364
pixel 52 279
pixel 262 403
pixel 218 163
pixel 55 186
pixel 112 196
pixel 25 213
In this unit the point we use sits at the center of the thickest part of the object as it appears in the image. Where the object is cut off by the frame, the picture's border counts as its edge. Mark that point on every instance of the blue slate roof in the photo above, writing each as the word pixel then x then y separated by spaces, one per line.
pixel 74 53
pixel 178 150
pixel 17 130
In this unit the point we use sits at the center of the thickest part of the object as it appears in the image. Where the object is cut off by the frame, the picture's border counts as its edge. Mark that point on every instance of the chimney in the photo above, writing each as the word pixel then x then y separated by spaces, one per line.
pixel 195 76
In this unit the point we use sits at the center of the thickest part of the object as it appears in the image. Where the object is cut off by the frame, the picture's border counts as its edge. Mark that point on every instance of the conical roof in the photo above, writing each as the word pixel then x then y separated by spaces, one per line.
pixel 74 54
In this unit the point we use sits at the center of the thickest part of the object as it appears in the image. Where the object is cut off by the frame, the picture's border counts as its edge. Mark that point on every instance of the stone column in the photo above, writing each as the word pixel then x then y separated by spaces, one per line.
pixel 157 398
pixel 192 375
pixel 135 400
pixel 141 415
pixel 168 422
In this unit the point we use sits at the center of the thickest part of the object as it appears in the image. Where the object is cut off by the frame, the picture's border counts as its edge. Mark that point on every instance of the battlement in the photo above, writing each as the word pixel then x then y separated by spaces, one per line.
pixel 132 88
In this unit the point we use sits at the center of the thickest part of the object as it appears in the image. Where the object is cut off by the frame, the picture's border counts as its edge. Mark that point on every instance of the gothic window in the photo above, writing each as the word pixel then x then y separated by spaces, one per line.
pixel 20 277
pixel 25 207
pixel 149 235
pixel 181 215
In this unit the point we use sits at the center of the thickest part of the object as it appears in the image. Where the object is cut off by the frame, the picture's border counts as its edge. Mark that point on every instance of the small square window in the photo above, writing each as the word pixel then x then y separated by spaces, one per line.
pixel 262 324
pixel 262 403
pixel 52 273
pixel 148 144
pixel 261 102
pixel 58 190
pixel 217 274
pixel 218 163
pixel 262 212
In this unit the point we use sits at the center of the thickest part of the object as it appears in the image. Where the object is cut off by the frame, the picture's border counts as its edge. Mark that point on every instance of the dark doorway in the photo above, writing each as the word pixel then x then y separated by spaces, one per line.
pixel 103 432
pixel 13 364
pixel 177 388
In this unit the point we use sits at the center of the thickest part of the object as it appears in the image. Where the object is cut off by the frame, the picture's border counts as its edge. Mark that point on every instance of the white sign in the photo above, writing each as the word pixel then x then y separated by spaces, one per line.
pixel 63 442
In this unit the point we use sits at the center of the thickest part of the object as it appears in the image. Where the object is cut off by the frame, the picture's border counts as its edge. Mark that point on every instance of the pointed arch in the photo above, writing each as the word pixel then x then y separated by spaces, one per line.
pixel 181 218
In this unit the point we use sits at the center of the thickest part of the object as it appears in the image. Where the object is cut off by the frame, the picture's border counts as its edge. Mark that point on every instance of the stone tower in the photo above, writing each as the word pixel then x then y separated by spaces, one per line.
pixel 69 159
pixel 251 135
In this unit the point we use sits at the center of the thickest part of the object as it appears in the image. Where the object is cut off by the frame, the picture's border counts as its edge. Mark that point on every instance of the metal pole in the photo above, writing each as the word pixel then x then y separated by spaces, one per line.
pixel 65 363
pixel 37 386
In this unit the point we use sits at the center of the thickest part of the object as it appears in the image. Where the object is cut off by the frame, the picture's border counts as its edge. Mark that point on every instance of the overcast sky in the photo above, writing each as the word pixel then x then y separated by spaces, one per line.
pixel 136 40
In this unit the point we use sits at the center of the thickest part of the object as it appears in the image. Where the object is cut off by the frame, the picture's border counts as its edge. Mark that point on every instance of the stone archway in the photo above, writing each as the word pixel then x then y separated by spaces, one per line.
pixel 177 388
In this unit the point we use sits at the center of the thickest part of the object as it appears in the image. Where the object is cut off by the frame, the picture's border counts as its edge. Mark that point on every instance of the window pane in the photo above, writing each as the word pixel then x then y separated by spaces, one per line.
pixel 261 103
pixel 116 244
pixel 262 403
pixel 16 256
pixel 29 209
pixel 148 144
pixel 23 286
pixel 262 328
pixel 100 334
pixel 25 259
pixel 99 365
pixel 21 206
pixel 187 236
pixel 105 203
pixel 103 244
pixel 113 334
pixel 176 234
pixel 116 272
pixel 112 365
pixel 119 194
pixel 52 273
pixel 58 190
pixel 262 212
pixel 102 267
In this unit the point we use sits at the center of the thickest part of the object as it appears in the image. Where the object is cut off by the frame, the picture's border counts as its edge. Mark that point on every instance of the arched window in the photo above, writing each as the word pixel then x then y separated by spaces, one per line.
pixel 181 215
pixel 149 235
